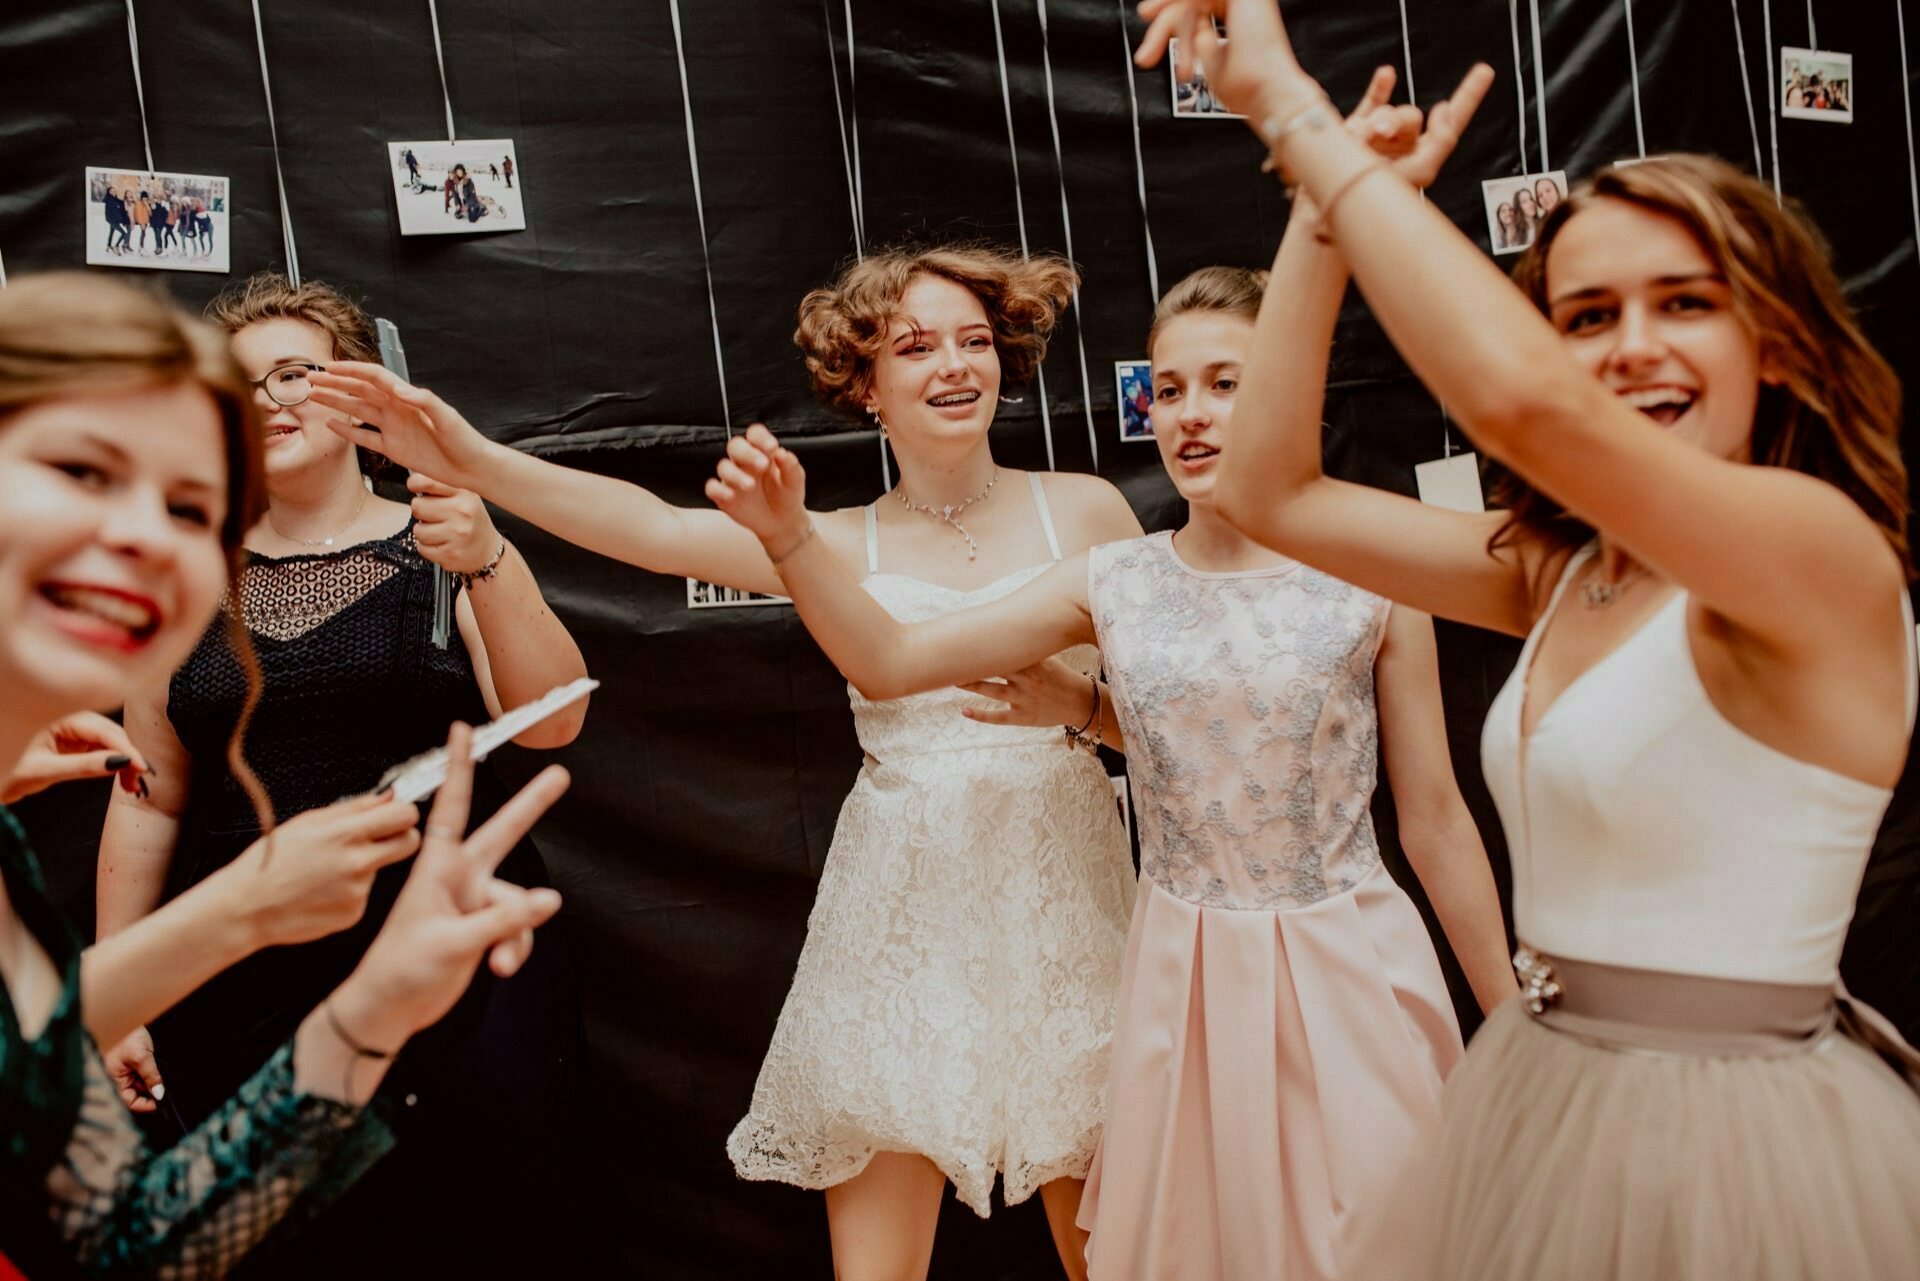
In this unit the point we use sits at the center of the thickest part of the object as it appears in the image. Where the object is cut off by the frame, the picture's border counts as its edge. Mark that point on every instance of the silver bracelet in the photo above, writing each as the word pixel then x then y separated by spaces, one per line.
pixel 1275 129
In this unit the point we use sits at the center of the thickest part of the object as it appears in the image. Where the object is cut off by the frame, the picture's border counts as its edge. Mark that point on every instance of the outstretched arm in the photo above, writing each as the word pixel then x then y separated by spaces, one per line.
pixel 761 485
pixel 1436 830
pixel 1508 377
pixel 423 433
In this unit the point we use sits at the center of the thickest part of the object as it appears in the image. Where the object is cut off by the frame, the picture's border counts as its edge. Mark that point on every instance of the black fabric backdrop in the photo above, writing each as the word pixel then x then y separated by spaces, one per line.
pixel 717 754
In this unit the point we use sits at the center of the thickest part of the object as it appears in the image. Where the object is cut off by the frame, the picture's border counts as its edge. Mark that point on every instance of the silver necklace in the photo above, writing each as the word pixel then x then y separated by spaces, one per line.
pixel 950 512
pixel 328 540
pixel 1599 593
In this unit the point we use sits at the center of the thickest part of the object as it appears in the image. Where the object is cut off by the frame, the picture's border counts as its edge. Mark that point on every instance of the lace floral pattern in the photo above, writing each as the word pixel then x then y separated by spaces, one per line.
pixel 955 995
pixel 265 1162
pixel 1244 800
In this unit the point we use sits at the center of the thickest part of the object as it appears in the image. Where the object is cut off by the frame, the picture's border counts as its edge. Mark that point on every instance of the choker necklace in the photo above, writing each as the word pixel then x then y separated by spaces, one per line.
pixel 328 540
pixel 951 511
pixel 1600 593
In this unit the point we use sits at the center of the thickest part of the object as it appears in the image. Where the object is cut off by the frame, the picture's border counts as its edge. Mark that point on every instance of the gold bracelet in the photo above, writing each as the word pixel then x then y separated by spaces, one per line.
pixel 800 542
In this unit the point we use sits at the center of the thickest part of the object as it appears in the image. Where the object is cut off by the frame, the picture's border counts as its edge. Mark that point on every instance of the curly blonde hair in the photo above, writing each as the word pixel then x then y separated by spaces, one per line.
pixel 843 327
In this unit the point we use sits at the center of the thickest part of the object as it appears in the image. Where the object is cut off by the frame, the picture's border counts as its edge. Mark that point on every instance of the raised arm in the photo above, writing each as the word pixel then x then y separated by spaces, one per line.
pixel 520 650
pixel 1437 831
pixel 143 825
pixel 1510 381
pixel 1273 487
pixel 761 484
pixel 423 433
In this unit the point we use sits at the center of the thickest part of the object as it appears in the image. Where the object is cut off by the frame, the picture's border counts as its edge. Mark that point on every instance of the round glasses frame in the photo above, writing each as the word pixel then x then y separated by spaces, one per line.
pixel 266 384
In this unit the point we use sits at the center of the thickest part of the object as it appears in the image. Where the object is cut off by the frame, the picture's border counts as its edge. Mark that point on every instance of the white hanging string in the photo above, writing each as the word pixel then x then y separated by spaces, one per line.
pixel 1139 160
pixel 1020 213
pixel 1406 50
pixel 700 214
pixel 1633 66
pixel 439 56
pixel 1519 81
pixel 1906 102
pixel 1773 97
pixel 846 114
pixel 1746 90
pixel 1066 230
pixel 139 90
pixel 273 136
pixel 1813 32
pixel 840 114
pixel 1540 86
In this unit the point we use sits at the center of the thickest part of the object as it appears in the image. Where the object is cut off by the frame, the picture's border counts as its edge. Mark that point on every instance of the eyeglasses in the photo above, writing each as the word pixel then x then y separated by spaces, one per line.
pixel 287 385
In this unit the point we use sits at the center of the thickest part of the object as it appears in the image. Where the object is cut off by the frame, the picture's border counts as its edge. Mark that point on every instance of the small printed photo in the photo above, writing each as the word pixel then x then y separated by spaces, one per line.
pixel 1192 99
pixel 1517 206
pixel 705 595
pixel 162 221
pixel 1816 84
pixel 457 188
pixel 1133 382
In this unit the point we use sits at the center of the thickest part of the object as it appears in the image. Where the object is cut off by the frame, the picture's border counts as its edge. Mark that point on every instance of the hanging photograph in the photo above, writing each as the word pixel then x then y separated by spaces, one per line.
pixel 1192 99
pixel 1133 382
pixel 1517 206
pixel 456 188
pixel 705 595
pixel 164 221
pixel 1816 84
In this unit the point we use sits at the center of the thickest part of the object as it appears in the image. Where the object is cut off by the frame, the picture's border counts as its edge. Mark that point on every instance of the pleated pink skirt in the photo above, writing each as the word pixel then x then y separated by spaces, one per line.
pixel 1270 1071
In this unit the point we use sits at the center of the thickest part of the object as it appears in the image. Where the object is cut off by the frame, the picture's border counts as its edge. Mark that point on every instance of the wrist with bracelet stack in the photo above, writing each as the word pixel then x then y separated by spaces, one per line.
pixel 1277 128
pixel 1089 735
pixel 486 571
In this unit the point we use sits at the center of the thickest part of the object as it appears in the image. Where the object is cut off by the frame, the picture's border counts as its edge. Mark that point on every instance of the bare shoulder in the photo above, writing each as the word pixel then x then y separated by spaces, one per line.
pixel 845 530
pixel 1088 510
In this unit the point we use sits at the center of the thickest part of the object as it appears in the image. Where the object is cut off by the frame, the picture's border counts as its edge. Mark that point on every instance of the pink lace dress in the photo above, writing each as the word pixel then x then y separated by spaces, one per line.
pixel 1283 1027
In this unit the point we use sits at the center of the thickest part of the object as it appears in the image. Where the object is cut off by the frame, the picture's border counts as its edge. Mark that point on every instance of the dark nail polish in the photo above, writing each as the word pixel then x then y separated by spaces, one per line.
pixel 118 763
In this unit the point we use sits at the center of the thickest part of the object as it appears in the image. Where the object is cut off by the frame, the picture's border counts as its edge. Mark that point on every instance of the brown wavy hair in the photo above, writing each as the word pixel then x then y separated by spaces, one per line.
pixel 1836 414
pixel 843 328
pixel 1234 290
pixel 71 334
pixel 268 295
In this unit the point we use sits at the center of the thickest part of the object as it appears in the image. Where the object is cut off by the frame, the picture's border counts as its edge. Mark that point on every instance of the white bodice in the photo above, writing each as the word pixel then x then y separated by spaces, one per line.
pixel 1646 830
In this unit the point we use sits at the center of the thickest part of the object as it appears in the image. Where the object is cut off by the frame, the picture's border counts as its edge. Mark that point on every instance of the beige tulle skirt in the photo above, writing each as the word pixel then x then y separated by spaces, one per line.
pixel 1562 1158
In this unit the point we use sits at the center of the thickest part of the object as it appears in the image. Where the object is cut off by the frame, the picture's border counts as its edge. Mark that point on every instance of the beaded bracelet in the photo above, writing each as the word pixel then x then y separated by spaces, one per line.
pixel 486 571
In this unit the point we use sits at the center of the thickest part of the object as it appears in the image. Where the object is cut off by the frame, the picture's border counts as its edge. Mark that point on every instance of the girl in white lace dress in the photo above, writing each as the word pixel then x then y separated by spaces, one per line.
pixel 953 1005
pixel 1284 1027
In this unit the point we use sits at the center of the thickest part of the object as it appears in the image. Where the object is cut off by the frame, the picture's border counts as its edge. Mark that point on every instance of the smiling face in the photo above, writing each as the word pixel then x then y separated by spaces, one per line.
pixel 1529 207
pixel 1642 305
pixel 1547 194
pixel 298 440
pixel 938 377
pixel 111 564
pixel 1196 371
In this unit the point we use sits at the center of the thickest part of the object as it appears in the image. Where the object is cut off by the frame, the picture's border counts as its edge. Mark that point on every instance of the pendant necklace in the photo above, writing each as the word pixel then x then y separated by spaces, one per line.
pixel 1599 593
pixel 950 513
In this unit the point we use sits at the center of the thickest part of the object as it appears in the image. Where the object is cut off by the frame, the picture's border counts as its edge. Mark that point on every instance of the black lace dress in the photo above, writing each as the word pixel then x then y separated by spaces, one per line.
pixel 354 684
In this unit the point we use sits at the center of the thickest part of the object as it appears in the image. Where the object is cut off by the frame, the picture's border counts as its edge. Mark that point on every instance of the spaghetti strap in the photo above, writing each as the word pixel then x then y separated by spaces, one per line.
pixel 1913 658
pixel 873 538
pixel 1046 515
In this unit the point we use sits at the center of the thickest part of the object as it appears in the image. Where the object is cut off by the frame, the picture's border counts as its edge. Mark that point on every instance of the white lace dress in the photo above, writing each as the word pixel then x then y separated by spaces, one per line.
pixel 955 995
